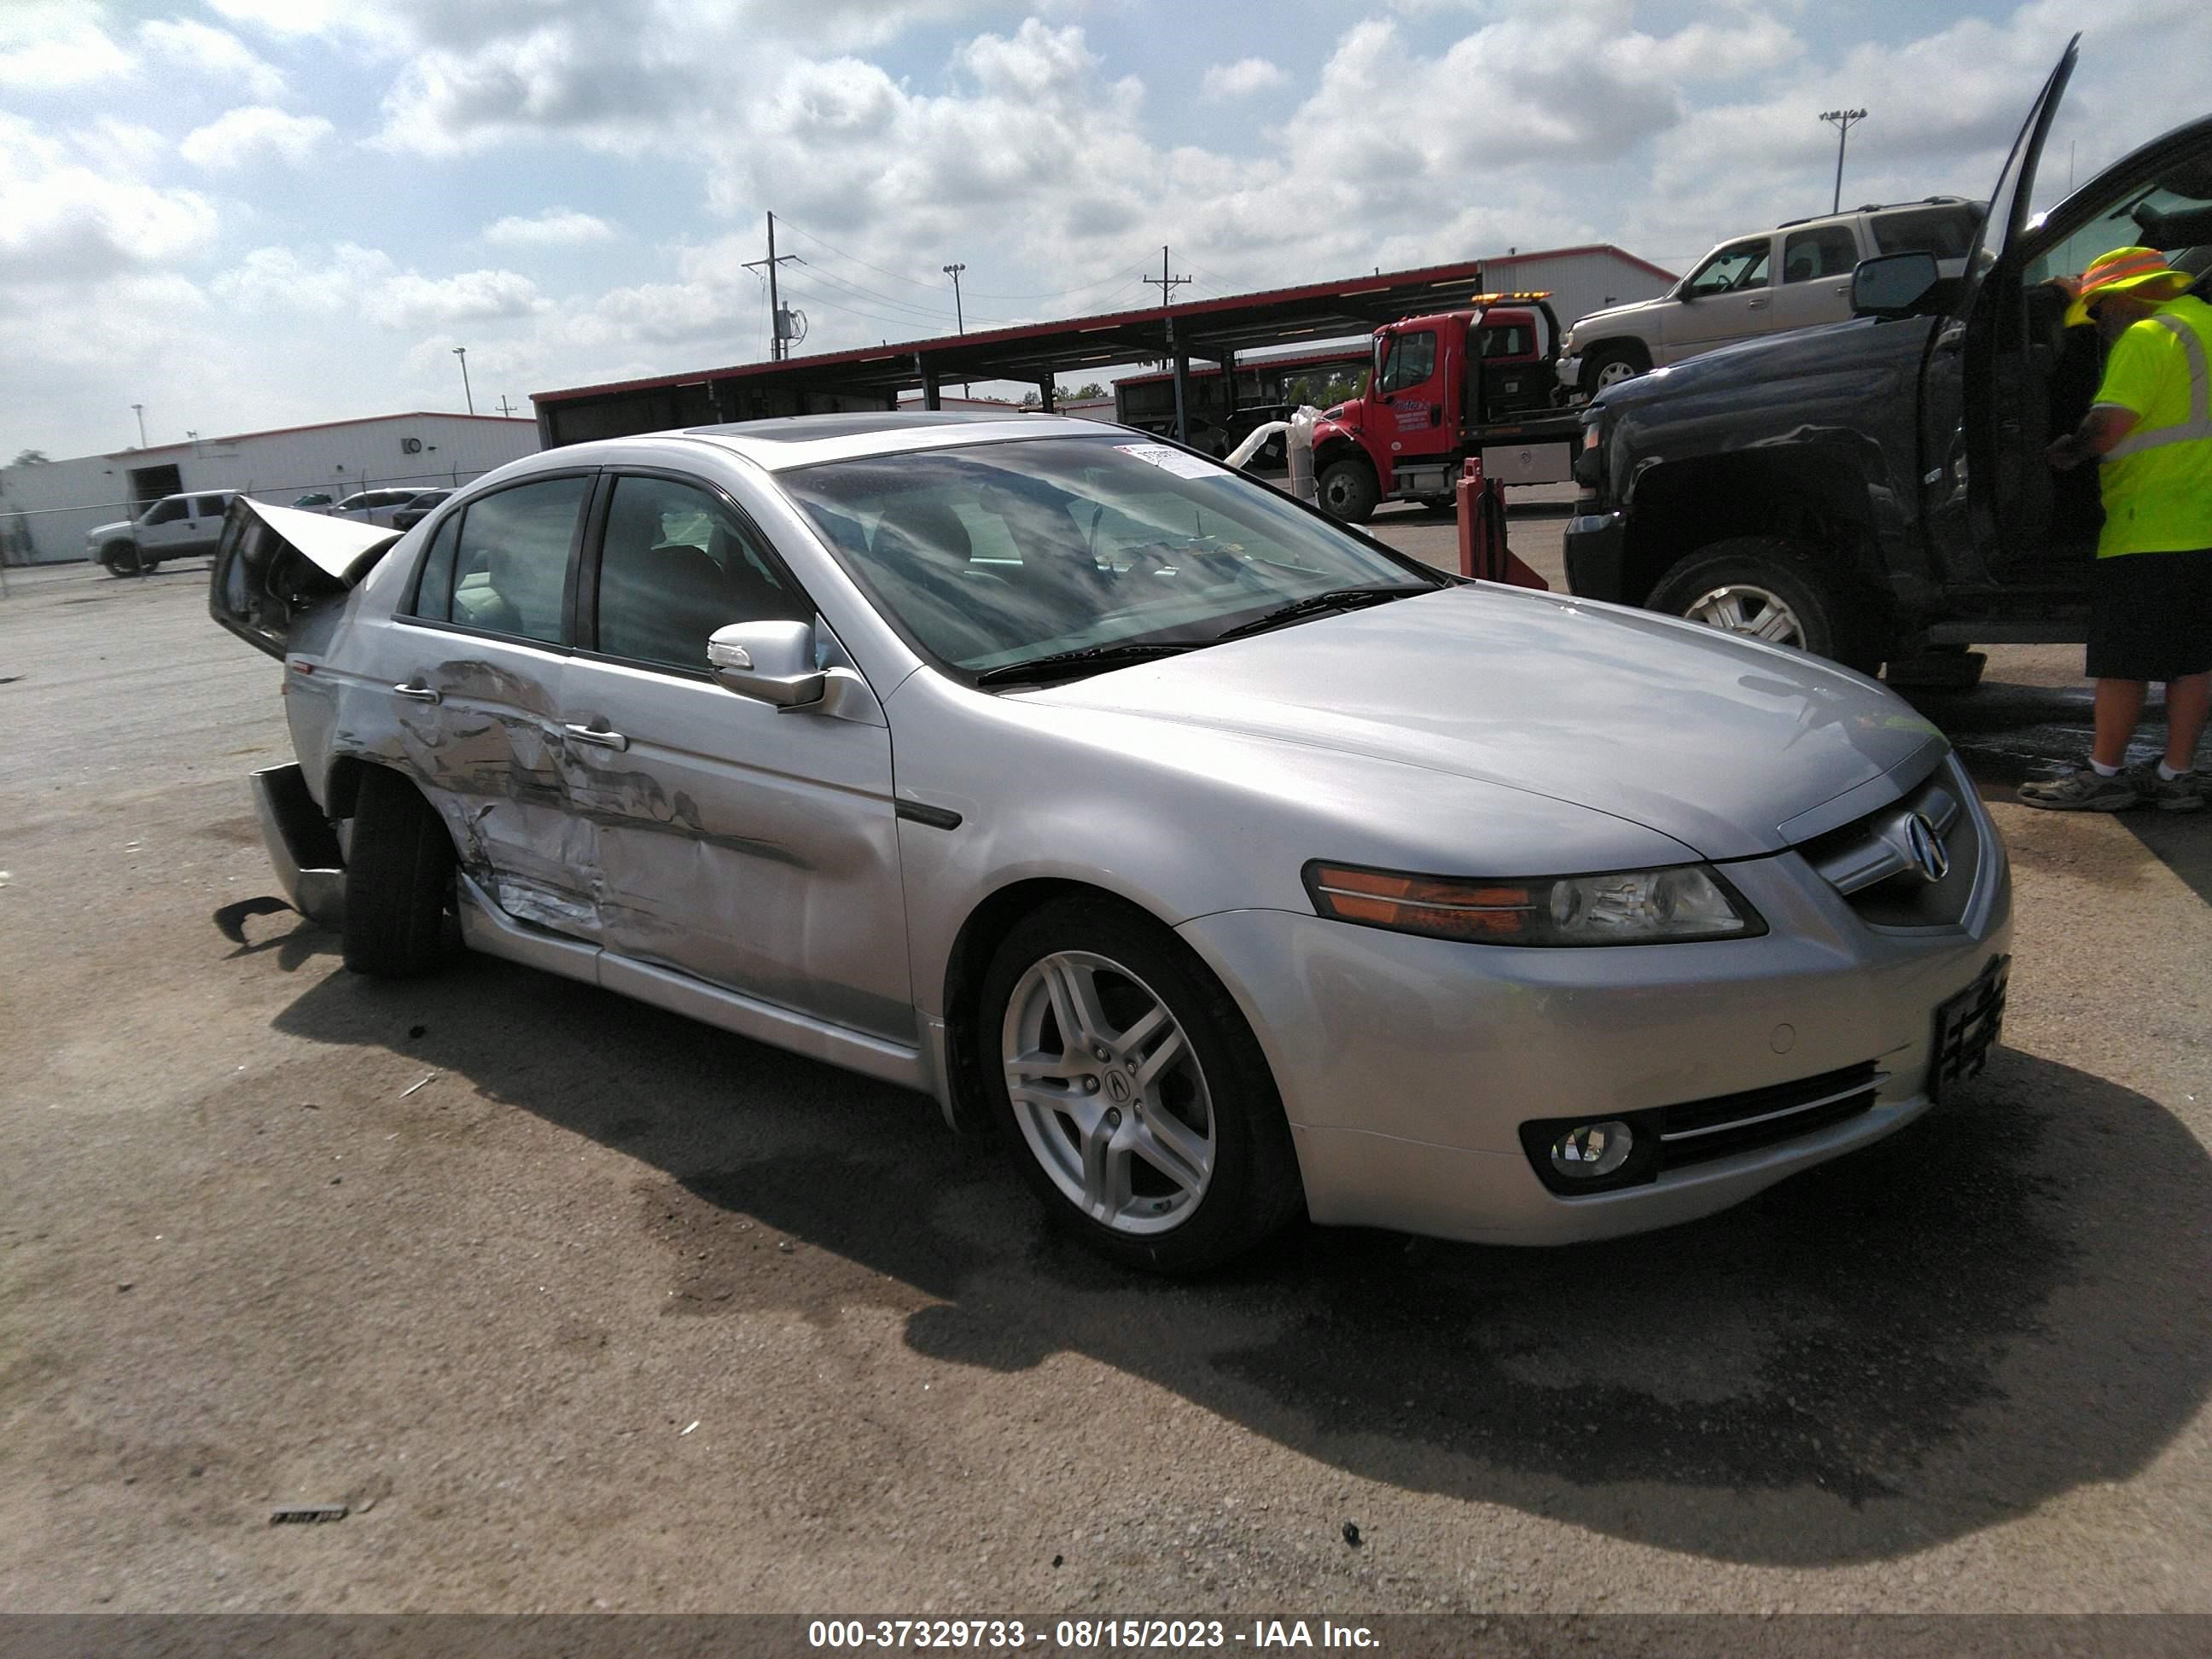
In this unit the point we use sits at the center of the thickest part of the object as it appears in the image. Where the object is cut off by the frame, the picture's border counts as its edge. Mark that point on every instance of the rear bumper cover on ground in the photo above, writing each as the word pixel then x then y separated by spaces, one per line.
pixel 303 848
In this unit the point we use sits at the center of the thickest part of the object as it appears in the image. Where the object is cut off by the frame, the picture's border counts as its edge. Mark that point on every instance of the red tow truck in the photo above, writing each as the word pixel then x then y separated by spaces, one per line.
pixel 1481 382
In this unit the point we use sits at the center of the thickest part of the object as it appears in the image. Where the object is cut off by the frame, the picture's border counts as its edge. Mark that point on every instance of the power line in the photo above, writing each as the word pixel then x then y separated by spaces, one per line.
pixel 897 276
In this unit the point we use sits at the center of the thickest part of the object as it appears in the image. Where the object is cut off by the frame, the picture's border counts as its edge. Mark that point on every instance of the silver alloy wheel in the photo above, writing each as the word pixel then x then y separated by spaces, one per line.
pixel 1614 370
pixel 1108 1092
pixel 1760 613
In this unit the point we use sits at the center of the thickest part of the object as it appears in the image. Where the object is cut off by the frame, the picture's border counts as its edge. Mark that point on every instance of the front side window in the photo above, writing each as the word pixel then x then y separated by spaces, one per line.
pixel 1412 360
pixel 165 512
pixel 1739 266
pixel 675 564
pixel 1808 255
pixel 511 562
pixel 2173 216
pixel 993 556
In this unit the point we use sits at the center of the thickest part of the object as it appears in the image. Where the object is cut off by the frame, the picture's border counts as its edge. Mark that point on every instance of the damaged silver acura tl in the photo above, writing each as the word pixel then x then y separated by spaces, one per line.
pixel 1231 863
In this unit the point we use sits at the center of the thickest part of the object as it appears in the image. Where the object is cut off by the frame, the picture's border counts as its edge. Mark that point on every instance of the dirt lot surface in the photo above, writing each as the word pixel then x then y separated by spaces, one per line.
pixel 578 1305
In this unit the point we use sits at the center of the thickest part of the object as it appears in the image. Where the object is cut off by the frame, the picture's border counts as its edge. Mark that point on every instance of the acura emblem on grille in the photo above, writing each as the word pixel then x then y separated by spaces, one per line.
pixel 1930 856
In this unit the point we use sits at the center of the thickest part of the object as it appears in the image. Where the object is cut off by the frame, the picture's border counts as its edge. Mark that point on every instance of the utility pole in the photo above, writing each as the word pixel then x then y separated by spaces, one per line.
pixel 462 352
pixel 959 319
pixel 1843 120
pixel 775 350
pixel 506 409
pixel 139 410
pixel 1167 286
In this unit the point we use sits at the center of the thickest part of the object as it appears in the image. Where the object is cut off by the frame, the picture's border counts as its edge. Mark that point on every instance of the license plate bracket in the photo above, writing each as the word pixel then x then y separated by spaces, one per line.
pixel 1967 1026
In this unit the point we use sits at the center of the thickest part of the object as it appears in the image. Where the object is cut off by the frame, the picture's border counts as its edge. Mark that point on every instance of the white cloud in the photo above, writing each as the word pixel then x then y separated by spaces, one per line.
pixel 212 54
pixel 555 228
pixel 367 283
pixel 61 222
pixel 54 47
pixel 1241 79
pixel 255 133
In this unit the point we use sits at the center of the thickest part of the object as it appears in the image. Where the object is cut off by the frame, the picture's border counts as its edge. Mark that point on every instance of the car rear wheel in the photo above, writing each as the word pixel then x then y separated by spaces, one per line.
pixel 1348 491
pixel 1766 588
pixel 398 875
pixel 121 559
pixel 1132 1091
pixel 1609 364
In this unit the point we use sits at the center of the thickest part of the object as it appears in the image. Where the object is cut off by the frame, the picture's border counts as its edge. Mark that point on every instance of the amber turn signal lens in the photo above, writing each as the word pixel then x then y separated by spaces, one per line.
pixel 1421 904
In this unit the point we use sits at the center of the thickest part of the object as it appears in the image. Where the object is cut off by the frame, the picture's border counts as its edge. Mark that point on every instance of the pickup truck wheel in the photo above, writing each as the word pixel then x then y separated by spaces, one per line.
pixel 1610 363
pixel 1131 1092
pixel 121 559
pixel 399 871
pixel 1348 491
pixel 1766 588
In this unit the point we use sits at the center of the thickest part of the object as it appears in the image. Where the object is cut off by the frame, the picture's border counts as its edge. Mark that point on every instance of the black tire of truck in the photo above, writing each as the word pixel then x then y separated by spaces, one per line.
pixel 1765 587
pixel 1348 491
pixel 121 559
pixel 1611 363
pixel 398 876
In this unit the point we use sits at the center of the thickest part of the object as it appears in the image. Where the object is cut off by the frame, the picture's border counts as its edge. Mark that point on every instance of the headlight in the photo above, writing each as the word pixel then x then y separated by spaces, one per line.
pixel 1629 907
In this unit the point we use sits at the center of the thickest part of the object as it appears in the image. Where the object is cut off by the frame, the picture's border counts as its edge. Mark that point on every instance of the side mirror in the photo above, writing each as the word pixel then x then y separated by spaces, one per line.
pixel 1892 285
pixel 772 662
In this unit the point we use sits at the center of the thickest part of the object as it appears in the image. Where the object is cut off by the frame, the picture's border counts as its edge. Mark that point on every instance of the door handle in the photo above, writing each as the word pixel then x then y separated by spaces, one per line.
pixel 415 691
pixel 1435 414
pixel 1756 305
pixel 598 736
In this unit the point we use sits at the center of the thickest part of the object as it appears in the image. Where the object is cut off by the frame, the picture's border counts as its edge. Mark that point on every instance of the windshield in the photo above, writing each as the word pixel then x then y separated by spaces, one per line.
pixel 1006 553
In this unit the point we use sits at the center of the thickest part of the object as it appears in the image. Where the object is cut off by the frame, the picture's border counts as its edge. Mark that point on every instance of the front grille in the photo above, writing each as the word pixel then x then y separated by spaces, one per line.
pixel 1870 862
pixel 1703 1130
pixel 1699 1130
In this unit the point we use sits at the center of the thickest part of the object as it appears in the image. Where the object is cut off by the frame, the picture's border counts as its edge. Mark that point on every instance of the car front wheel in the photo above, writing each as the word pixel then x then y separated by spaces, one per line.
pixel 398 875
pixel 1610 364
pixel 1766 588
pixel 1132 1091
pixel 121 559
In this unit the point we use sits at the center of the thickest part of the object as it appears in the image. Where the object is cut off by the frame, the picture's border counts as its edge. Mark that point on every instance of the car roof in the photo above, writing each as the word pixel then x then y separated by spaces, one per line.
pixel 786 442
pixel 1843 214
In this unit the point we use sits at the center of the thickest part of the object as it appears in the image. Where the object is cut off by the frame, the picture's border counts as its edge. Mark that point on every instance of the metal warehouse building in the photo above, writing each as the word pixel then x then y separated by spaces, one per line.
pixel 47 508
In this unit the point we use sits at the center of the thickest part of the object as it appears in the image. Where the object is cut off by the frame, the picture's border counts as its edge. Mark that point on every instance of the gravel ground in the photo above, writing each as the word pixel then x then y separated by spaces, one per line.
pixel 580 1306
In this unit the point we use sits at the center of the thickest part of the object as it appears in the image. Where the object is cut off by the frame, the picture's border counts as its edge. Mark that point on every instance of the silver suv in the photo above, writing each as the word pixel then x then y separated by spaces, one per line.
pixel 1796 276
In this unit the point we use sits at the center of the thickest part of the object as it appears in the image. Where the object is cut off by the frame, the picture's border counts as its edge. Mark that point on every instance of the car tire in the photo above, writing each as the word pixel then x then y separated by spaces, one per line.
pixel 1621 360
pixel 1767 589
pixel 1172 1153
pixel 1348 491
pixel 398 877
pixel 121 559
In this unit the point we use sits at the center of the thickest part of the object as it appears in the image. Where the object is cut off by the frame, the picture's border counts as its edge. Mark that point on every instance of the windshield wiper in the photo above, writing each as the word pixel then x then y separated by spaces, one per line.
pixel 1067 664
pixel 1315 604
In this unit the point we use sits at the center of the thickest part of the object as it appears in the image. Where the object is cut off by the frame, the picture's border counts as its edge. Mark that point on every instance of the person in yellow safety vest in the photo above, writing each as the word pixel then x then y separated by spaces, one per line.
pixel 2151 591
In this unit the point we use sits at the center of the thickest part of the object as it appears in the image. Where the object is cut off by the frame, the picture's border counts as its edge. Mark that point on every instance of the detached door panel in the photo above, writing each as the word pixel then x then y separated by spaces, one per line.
pixel 751 847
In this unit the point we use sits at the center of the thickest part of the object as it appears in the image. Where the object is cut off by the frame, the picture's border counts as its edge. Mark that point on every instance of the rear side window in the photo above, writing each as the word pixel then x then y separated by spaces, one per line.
pixel 1829 251
pixel 1946 232
pixel 1509 341
pixel 212 507
pixel 511 561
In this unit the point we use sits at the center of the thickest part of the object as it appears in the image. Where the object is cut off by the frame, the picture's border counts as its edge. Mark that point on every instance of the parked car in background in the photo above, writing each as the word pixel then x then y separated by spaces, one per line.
pixel 374 507
pixel 184 526
pixel 1234 865
pixel 418 508
pixel 1795 276
pixel 314 501
pixel 1876 490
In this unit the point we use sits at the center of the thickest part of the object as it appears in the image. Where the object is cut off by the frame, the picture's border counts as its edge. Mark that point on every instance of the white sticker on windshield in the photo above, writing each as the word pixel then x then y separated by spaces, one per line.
pixel 1172 461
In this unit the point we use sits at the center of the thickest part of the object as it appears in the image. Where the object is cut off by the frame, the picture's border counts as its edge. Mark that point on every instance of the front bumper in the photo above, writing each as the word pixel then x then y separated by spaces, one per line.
pixel 1596 551
pixel 303 848
pixel 1407 1066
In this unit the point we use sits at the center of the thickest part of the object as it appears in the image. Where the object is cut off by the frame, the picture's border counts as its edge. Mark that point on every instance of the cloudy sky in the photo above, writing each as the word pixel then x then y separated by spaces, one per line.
pixel 250 213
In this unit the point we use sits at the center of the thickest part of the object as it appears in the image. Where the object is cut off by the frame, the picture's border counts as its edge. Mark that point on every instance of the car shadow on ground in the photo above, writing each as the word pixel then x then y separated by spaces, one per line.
pixel 1937 1335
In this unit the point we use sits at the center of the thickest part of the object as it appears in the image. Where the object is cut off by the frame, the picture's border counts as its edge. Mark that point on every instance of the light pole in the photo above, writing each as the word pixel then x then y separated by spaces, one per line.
pixel 959 320
pixel 1843 120
pixel 462 352
pixel 139 410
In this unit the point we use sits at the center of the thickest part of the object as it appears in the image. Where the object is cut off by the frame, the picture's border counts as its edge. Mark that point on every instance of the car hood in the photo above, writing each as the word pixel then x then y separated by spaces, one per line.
pixel 1725 745
pixel 1580 329
pixel 102 531
pixel 1819 352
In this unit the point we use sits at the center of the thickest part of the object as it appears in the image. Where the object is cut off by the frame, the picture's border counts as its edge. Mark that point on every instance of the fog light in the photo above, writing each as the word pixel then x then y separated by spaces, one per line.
pixel 1591 1151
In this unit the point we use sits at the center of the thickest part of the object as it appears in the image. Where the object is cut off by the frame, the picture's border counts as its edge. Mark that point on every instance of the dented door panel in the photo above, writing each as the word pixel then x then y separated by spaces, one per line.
pixel 754 847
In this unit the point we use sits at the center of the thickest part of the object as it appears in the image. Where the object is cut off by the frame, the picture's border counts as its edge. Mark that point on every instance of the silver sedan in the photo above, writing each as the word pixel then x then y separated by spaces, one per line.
pixel 1232 865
